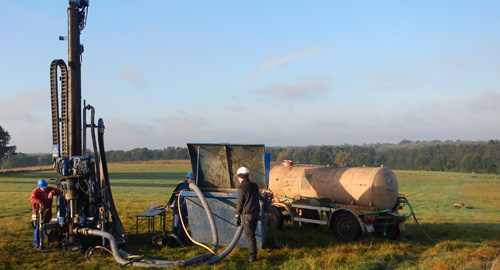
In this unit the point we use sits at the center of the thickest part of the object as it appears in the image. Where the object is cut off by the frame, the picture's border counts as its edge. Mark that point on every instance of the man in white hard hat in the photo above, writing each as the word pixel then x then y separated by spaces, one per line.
pixel 247 210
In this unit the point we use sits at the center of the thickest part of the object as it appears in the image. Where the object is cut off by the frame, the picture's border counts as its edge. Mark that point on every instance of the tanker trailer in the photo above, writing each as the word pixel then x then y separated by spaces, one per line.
pixel 350 200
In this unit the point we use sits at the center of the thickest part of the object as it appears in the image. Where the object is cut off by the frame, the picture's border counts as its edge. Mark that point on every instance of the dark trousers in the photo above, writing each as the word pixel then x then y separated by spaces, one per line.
pixel 249 223
pixel 176 223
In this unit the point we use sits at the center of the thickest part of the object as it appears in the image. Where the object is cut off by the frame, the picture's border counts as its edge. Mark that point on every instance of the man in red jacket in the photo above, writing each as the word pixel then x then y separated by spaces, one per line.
pixel 41 200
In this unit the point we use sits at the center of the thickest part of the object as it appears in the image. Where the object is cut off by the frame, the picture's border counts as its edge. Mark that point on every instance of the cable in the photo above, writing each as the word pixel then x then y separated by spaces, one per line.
pixel 428 237
pixel 412 213
pixel 275 239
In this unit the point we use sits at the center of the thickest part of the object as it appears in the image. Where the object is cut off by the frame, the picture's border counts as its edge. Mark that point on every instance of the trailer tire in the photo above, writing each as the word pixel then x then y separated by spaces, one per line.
pixel 275 219
pixel 346 227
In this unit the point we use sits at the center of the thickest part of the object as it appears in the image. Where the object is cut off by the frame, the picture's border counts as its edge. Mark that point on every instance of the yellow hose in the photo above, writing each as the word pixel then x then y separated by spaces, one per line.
pixel 184 226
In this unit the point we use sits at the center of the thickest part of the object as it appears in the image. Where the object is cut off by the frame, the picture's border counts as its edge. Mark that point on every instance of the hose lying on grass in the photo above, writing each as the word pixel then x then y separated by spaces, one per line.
pixel 145 262
pixel 136 260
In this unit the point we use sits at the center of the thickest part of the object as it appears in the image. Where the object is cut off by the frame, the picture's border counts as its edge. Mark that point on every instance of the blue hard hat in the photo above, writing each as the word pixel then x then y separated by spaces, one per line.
pixel 42 183
pixel 190 175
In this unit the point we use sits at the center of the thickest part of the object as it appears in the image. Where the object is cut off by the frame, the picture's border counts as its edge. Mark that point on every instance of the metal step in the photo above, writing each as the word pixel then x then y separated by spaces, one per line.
pixel 315 221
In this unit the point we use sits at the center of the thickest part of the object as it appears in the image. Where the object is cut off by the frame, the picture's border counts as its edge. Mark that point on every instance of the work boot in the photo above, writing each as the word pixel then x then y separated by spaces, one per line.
pixel 251 260
pixel 40 250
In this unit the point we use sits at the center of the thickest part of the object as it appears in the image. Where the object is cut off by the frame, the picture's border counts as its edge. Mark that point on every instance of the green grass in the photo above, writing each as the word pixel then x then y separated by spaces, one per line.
pixel 466 238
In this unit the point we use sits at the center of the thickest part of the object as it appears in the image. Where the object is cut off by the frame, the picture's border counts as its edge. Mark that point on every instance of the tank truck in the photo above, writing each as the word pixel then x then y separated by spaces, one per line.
pixel 350 200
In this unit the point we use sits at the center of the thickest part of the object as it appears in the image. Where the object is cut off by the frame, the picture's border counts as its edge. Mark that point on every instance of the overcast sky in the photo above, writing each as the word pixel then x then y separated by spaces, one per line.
pixel 165 73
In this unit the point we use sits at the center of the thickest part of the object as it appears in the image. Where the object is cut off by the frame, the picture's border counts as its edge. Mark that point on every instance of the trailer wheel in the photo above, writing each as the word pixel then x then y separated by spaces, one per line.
pixel 275 219
pixel 346 227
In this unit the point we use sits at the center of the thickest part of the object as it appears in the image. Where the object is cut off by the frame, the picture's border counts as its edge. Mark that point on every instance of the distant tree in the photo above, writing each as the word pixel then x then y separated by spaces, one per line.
pixel 117 155
pixel 283 155
pixel 5 150
pixel 421 162
pixel 438 163
pixel 302 155
pixel 405 141
pixel 364 159
pixel 44 160
pixel 159 154
pixel 141 154
pixel 19 160
pixel 488 165
pixel 471 162
pixel 450 165
pixel 320 157
pixel 343 159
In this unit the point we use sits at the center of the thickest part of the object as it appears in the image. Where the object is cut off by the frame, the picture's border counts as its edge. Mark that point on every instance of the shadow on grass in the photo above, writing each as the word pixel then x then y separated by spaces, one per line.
pixel 114 183
pixel 460 237
pixel 27 183
pixel 297 237
pixel 46 174
pixel 451 231
pixel 142 184
pixel 171 176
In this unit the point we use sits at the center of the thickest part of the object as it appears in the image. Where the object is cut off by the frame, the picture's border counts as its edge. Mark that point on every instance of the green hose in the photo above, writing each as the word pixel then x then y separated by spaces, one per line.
pixel 285 198
pixel 377 212
pixel 411 209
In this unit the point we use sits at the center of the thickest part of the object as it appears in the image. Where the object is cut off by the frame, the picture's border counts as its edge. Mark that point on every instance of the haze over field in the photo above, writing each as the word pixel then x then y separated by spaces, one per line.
pixel 163 73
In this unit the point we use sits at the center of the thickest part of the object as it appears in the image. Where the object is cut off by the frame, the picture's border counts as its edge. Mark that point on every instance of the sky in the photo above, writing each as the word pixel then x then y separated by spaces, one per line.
pixel 279 73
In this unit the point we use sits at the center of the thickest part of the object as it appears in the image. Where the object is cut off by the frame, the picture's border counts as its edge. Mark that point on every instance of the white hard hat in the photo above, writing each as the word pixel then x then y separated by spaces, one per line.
pixel 243 170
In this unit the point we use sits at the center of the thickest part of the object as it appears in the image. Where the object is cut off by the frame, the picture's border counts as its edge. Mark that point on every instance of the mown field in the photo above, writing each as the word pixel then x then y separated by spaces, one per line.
pixel 464 238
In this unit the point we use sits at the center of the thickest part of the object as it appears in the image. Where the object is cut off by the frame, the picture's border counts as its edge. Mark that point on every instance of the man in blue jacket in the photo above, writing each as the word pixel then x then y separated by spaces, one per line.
pixel 180 205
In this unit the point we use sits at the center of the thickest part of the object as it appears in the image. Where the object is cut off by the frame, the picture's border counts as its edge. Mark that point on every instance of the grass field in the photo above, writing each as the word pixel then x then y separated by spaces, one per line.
pixel 465 238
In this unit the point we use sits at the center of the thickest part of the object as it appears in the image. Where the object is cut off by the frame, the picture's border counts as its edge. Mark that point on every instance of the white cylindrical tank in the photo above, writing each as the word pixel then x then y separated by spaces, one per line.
pixel 365 186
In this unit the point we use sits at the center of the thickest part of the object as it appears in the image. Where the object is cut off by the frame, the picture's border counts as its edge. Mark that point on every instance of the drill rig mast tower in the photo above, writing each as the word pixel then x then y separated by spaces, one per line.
pixel 87 201
pixel 76 23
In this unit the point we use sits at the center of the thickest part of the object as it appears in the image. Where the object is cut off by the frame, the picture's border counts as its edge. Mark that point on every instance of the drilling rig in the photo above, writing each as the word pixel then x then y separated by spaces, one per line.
pixel 86 202
pixel 86 214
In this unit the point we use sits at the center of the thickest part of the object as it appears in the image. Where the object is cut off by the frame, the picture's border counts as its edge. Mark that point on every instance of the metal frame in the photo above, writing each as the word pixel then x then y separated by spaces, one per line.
pixel 322 210
pixel 150 215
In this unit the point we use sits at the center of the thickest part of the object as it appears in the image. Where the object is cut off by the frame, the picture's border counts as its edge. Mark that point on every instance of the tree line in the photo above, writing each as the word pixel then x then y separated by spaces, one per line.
pixel 480 157
pixel 19 160
pixel 453 156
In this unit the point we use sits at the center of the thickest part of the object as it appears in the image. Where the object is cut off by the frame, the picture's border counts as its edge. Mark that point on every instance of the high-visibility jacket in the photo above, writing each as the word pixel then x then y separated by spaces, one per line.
pixel 40 199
